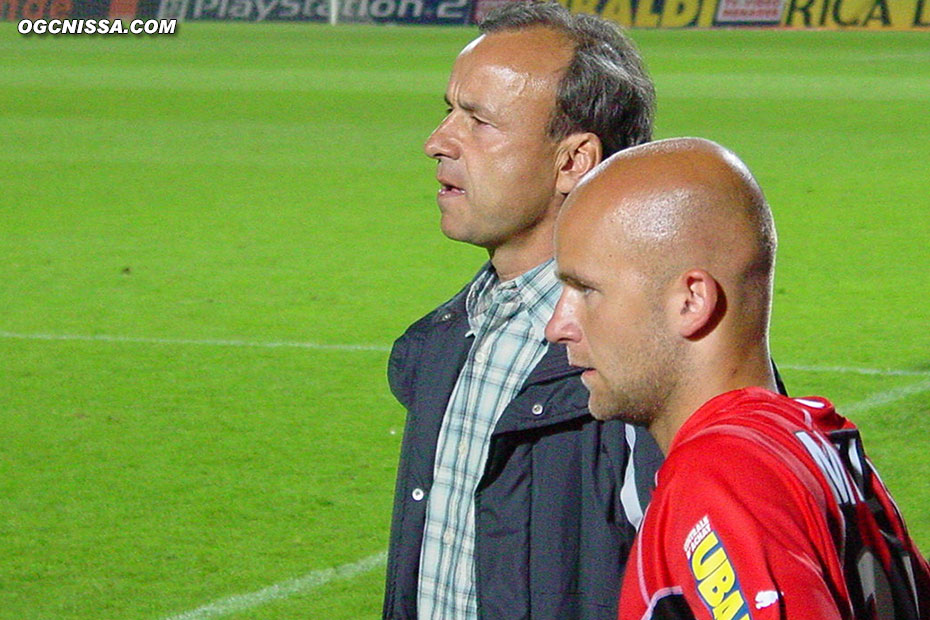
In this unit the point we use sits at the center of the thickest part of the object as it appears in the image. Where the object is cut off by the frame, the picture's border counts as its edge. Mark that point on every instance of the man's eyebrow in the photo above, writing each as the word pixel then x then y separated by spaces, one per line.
pixel 465 105
pixel 573 280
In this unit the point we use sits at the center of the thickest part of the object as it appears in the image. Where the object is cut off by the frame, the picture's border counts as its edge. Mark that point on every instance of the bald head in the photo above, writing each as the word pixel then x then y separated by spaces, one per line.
pixel 684 194
pixel 679 204
pixel 667 252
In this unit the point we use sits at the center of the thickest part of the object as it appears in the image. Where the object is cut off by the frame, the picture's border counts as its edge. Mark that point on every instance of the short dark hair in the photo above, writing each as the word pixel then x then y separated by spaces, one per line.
pixel 605 89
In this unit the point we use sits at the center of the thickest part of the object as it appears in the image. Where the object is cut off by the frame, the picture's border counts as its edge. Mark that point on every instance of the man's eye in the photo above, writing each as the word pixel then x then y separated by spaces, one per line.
pixel 585 290
pixel 578 289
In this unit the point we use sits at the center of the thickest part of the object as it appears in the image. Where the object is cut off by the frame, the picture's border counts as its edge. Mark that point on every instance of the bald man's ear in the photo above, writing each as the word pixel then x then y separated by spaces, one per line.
pixel 578 154
pixel 699 302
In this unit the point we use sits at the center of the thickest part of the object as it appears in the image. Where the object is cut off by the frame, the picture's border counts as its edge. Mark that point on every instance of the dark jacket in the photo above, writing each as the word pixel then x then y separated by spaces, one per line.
pixel 552 532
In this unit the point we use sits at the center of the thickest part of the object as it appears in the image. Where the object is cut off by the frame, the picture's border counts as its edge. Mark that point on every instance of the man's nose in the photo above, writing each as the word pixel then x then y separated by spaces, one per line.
pixel 563 326
pixel 443 142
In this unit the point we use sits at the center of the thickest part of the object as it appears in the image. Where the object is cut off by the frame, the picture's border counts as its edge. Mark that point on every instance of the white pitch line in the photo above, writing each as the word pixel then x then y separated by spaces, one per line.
pixel 284 589
pixel 884 398
pixel 180 341
pixel 381 348
pixel 859 371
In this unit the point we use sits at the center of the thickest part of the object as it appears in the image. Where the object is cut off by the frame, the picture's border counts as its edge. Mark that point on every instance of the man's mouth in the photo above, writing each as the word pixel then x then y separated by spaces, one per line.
pixel 447 189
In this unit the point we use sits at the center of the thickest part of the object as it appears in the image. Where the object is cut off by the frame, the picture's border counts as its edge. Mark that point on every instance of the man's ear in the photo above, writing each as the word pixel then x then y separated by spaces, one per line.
pixel 699 304
pixel 578 154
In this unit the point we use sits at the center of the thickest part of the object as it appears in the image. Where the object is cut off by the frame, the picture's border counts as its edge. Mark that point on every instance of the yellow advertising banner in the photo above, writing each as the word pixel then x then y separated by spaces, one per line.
pixel 645 13
pixel 829 14
pixel 873 14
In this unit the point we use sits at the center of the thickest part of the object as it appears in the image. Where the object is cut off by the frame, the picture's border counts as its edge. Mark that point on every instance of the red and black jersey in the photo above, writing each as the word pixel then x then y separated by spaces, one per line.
pixel 767 507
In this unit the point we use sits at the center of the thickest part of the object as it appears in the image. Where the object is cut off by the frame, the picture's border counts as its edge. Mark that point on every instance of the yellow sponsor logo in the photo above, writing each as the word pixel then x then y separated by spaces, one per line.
pixel 641 14
pixel 716 580
pixel 833 14
pixel 873 14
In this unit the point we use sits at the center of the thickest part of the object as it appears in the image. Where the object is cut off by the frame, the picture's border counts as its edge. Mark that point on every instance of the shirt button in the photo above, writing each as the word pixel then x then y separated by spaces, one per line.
pixel 481 357
pixel 446 316
pixel 448 538
pixel 463 448
pixel 417 494
pixel 537 409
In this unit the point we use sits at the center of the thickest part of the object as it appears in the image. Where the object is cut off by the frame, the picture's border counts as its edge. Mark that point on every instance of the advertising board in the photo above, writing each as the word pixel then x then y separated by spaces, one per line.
pixel 378 11
pixel 801 14
pixel 826 14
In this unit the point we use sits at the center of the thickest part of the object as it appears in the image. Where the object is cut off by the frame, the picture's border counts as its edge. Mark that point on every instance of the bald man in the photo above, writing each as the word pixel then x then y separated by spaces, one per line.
pixel 766 506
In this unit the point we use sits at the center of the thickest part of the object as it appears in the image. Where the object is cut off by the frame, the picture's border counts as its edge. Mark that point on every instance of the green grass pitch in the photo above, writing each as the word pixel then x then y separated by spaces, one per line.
pixel 182 217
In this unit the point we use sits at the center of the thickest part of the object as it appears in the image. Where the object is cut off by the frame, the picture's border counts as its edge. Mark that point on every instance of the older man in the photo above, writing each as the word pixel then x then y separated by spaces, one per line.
pixel 511 500
pixel 766 507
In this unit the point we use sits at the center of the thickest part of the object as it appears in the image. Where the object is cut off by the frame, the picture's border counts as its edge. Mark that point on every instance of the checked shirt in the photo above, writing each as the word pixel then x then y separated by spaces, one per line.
pixel 507 322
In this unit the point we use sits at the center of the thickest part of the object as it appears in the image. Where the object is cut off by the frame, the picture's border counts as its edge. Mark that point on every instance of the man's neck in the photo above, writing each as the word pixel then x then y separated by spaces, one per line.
pixel 518 256
pixel 517 269
pixel 752 371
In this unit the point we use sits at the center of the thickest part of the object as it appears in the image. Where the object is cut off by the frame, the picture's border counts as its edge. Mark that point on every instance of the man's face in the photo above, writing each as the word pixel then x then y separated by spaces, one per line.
pixel 497 166
pixel 611 316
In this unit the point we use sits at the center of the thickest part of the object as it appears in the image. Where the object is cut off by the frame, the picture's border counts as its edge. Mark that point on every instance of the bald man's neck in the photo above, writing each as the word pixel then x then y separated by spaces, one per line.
pixel 708 378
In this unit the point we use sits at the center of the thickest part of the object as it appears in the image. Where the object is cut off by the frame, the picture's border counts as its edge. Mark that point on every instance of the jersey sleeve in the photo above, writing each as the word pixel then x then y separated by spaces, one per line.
pixel 744 535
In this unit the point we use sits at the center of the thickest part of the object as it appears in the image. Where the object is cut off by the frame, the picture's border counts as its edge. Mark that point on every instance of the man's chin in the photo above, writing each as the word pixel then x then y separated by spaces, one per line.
pixel 601 409
pixel 605 409
pixel 455 231
pixel 601 406
pixel 451 226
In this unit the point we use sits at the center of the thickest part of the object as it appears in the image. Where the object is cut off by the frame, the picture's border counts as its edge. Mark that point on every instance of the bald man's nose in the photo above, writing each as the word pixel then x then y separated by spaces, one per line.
pixel 563 327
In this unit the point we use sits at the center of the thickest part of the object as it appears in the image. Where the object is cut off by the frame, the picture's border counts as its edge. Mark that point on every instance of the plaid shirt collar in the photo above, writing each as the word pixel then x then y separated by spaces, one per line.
pixel 537 291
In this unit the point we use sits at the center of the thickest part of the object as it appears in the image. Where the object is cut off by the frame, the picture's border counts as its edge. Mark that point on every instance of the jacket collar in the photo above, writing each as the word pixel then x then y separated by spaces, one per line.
pixel 554 363
pixel 454 309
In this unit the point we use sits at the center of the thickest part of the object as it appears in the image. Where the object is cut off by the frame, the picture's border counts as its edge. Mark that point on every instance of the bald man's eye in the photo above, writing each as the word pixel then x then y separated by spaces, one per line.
pixel 583 289
pixel 587 290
